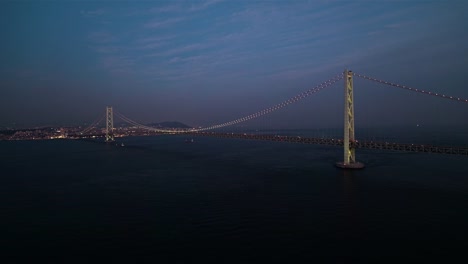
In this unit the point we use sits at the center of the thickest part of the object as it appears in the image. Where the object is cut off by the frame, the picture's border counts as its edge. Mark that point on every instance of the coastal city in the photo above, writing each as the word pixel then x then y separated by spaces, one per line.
pixel 48 133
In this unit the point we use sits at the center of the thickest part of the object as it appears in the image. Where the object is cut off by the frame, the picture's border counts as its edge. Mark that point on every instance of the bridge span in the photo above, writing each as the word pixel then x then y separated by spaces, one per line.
pixel 349 142
pixel 424 148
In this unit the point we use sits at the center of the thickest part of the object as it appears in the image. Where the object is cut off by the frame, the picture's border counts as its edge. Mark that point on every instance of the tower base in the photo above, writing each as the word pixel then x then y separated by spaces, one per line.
pixel 353 166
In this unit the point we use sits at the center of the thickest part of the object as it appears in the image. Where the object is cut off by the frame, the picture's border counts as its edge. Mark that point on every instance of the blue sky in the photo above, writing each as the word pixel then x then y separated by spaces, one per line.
pixel 208 61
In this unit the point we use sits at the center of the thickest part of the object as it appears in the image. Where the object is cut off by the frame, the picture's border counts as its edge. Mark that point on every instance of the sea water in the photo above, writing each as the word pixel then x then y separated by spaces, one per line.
pixel 164 200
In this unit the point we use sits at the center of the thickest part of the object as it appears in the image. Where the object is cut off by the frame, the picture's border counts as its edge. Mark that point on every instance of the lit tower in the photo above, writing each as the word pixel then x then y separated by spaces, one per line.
pixel 349 161
pixel 109 124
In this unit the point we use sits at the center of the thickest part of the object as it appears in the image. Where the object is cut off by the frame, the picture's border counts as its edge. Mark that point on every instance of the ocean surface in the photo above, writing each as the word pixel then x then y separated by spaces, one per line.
pixel 162 200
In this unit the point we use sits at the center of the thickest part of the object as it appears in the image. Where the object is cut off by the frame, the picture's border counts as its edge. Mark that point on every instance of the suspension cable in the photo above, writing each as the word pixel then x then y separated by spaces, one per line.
pixel 94 124
pixel 245 118
pixel 412 89
pixel 130 121
pixel 277 106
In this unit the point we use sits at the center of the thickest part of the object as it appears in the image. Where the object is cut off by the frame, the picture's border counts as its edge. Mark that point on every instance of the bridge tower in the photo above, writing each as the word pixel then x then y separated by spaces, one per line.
pixel 349 161
pixel 109 124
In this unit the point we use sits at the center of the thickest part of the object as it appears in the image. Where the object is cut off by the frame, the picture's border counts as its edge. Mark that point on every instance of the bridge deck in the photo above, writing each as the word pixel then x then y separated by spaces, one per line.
pixel 339 142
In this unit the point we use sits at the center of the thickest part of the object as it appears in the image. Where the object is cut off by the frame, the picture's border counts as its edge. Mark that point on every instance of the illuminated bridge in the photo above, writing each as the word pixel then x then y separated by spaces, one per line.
pixel 348 142
pixel 339 142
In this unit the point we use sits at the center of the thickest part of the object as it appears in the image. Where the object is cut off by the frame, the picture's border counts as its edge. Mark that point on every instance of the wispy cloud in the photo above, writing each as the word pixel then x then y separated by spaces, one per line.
pixel 163 23
pixel 101 37
pixel 203 5
pixel 94 13
pixel 259 39
pixel 190 59
pixel 182 49
pixel 117 64
pixel 153 39
pixel 166 9
pixel 183 7
pixel 107 49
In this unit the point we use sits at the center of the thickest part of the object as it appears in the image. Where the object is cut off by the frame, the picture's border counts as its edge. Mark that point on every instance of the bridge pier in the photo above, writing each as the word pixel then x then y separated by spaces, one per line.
pixel 349 161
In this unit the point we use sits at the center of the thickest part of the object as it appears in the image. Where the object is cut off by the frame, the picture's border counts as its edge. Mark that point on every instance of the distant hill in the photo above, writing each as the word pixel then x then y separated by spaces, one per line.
pixel 169 124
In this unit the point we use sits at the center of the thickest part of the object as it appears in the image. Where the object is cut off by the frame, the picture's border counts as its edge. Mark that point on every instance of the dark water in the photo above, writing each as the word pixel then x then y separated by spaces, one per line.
pixel 162 200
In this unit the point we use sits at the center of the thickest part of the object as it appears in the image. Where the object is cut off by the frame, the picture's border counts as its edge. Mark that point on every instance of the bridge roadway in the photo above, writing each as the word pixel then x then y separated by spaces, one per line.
pixel 339 142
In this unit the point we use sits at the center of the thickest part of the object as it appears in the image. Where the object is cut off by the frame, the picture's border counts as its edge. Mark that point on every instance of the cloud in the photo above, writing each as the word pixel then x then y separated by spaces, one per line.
pixel 182 49
pixel 183 7
pixel 259 39
pixel 203 5
pixel 117 64
pixel 94 13
pixel 101 37
pixel 153 42
pixel 152 39
pixel 166 9
pixel 190 59
pixel 163 23
pixel 107 49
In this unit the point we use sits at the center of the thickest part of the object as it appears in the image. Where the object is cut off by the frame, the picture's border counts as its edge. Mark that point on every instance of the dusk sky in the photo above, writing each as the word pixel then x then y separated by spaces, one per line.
pixel 205 62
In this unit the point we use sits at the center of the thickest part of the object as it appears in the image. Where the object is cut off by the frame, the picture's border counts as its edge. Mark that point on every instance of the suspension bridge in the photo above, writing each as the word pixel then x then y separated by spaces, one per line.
pixel 348 142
